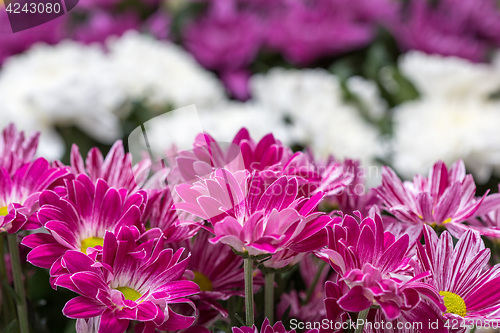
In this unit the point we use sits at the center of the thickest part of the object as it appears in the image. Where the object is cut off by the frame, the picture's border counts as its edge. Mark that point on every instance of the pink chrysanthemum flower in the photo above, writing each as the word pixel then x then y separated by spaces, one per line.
pixel 20 192
pixel 219 273
pixel 267 328
pixel 372 263
pixel 116 168
pixel 470 290
pixel 242 153
pixel 313 176
pixel 254 218
pixel 15 149
pixel 132 282
pixel 445 198
pixel 79 220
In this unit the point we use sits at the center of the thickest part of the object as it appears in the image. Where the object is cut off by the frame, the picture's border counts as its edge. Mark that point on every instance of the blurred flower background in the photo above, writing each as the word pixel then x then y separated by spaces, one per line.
pixel 403 83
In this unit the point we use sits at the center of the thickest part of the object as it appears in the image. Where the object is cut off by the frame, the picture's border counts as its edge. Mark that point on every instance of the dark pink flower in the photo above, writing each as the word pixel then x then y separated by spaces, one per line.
pixel 470 290
pixel 132 282
pixel 446 197
pixel 224 39
pixel 218 271
pixel 446 27
pixel 306 31
pixel 375 268
pixel 14 43
pixel 253 217
pixel 79 219
pixel 19 193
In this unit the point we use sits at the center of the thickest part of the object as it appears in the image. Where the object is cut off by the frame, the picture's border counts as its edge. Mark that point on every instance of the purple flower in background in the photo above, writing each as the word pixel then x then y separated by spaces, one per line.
pixel 226 40
pixel 445 27
pixel 132 281
pixel 304 32
pixel 101 24
pixel 267 328
pixel 51 32
pixel 446 197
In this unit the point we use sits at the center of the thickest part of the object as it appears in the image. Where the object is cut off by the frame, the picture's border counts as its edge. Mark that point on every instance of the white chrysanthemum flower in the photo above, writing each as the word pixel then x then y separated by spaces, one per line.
pixel 312 100
pixel 66 84
pixel 455 118
pixel 433 129
pixel 449 77
pixel 369 96
pixel 161 72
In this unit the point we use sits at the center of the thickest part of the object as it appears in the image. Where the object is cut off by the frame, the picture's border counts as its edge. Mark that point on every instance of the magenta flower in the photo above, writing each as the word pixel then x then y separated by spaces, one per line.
pixel 329 177
pixel 52 33
pixel 225 40
pixel 19 193
pixel 218 271
pixel 116 169
pixel 372 263
pixel 79 220
pixel 267 328
pixel 306 31
pixel 445 198
pixel 132 282
pixel 254 218
pixel 470 290
pixel 447 27
pixel 16 149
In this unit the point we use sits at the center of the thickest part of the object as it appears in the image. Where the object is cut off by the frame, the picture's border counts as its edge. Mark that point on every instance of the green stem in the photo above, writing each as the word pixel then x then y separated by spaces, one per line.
pixel 7 306
pixel 269 297
pixel 310 290
pixel 248 266
pixel 17 274
pixel 361 316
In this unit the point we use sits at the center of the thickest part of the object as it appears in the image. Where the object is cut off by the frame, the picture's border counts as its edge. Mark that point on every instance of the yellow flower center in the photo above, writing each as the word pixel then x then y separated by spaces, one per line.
pixel 91 242
pixel 448 220
pixel 129 293
pixel 454 303
pixel 3 210
pixel 203 281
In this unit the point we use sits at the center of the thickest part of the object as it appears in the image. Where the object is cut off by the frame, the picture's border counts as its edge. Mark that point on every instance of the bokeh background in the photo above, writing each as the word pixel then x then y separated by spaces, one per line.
pixel 398 82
